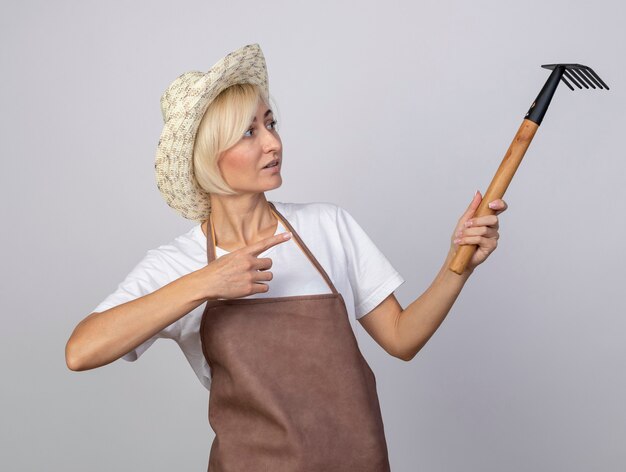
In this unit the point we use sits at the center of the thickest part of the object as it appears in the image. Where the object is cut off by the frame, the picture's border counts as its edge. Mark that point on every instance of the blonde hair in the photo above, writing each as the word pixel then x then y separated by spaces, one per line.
pixel 225 121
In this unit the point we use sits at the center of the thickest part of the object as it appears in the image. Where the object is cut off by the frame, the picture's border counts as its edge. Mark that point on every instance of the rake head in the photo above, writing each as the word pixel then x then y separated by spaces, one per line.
pixel 579 74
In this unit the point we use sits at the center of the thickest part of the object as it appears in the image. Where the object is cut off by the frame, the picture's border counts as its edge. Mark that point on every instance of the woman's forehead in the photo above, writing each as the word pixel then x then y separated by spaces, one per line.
pixel 263 110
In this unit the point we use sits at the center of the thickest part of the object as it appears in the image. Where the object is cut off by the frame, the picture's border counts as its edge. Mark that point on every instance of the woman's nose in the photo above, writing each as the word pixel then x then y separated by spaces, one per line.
pixel 272 142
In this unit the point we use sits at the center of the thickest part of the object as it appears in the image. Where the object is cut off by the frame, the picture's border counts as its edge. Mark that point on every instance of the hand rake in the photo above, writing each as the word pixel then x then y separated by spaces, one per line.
pixel 579 75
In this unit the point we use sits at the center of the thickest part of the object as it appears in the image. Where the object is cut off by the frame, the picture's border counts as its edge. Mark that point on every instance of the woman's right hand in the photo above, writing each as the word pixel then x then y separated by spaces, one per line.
pixel 241 273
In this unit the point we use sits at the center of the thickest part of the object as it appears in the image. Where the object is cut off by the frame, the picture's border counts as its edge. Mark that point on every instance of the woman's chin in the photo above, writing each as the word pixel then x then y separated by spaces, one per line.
pixel 278 184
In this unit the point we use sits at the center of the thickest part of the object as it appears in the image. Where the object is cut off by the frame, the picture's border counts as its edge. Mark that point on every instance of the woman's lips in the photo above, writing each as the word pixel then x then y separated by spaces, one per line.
pixel 272 169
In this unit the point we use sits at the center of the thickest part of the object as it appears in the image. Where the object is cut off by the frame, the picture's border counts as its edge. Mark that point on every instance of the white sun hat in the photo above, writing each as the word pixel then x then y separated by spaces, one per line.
pixel 183 105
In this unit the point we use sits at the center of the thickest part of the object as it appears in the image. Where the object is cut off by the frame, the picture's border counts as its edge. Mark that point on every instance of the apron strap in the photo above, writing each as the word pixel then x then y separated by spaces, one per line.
pixel 305 248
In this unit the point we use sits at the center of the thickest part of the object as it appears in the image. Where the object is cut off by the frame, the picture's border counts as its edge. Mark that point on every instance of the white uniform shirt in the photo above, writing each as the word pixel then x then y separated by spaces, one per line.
pixel 357 268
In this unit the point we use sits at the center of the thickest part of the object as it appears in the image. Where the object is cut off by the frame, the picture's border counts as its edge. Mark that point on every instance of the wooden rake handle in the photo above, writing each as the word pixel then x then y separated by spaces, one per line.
pixel 497 187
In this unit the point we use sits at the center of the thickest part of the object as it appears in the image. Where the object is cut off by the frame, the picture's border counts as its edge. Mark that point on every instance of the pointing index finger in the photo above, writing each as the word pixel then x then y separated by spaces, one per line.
pixel 267 243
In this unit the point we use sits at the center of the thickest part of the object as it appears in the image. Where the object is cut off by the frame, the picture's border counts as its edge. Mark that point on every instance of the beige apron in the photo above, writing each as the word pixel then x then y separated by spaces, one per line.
pixel 290 389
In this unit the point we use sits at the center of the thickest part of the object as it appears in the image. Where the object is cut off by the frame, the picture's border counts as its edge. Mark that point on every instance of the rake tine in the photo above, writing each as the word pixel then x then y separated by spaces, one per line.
pixel 587 74
pixel 573 79
pixel 597 77
pixel 579 75
pixel 566 83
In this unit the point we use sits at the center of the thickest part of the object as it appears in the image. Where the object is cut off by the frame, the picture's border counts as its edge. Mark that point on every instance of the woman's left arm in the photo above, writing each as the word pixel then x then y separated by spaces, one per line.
pixel 403 333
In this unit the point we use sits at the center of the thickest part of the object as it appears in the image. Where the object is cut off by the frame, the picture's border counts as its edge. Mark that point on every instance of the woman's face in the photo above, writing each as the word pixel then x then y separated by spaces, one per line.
pixel 242 165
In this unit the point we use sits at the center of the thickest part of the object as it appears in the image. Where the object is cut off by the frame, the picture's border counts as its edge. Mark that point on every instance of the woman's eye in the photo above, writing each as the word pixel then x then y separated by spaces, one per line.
pixel 250 130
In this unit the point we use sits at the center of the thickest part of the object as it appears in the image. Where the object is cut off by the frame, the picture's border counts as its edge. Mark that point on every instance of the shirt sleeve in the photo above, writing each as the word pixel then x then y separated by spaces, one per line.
pixel 146 277
pixel 372 277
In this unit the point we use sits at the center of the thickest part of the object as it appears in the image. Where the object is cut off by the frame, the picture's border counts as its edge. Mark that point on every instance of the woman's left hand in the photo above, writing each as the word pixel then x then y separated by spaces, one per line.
pixel 481 231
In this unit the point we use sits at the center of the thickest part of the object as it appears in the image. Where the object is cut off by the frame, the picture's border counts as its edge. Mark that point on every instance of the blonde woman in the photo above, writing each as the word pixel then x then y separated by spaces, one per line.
pixel 261 295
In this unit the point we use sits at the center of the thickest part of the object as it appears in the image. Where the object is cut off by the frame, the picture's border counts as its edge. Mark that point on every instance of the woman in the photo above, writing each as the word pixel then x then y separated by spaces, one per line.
pixel 270 337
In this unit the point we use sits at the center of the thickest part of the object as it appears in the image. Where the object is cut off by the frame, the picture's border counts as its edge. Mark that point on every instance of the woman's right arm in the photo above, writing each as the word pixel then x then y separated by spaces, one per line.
pixel 104 337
